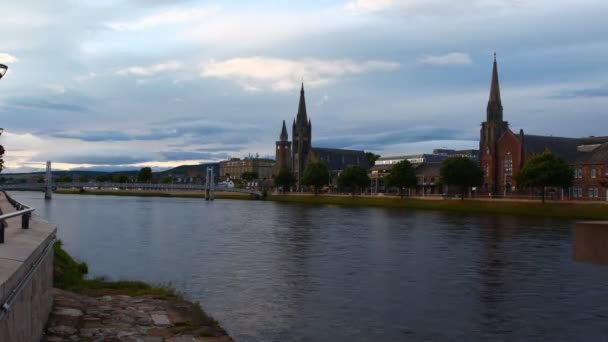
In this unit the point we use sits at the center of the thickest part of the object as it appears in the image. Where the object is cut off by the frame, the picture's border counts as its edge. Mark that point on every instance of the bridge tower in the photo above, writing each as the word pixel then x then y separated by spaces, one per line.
pixel 210 184
pixel 48 194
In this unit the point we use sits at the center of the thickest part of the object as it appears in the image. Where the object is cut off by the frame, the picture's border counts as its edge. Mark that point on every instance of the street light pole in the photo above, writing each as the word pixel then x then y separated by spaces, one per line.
pixel 3 70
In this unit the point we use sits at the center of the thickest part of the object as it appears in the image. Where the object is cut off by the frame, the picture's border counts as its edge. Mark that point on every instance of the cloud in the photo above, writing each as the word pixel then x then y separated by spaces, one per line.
pixel 369 5
pixel 38 103
pixel 257 73
pixel 601 91
pixel 92 158
pixel 452 58
pixel 6 58
pixel 384 140
pixel 163 17
pixel 187 155
pixel 149 70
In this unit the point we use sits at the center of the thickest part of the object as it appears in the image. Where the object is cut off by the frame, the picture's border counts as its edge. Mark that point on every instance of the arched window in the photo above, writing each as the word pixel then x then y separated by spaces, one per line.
pixel 508 164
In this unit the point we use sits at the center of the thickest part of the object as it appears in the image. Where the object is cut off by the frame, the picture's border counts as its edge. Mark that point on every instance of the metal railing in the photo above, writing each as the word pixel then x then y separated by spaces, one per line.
pixel 22 210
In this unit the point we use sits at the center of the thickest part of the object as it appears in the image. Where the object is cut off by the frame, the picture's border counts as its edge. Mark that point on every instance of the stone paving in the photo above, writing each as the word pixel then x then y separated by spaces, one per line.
pixel 123 318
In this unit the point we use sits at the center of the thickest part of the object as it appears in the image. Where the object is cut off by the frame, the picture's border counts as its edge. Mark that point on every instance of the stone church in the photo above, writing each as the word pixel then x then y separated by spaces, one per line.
pixel 296 154
pixel 503 152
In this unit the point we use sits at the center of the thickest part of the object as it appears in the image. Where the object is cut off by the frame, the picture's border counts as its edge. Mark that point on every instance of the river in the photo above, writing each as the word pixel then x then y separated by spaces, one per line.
pixel 287 272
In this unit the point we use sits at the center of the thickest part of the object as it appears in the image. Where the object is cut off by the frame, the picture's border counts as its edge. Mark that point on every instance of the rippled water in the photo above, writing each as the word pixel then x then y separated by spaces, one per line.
pixel 284 272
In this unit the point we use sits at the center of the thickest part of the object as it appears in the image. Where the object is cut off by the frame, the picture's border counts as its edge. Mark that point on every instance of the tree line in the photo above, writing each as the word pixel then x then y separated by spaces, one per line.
pixel 540 172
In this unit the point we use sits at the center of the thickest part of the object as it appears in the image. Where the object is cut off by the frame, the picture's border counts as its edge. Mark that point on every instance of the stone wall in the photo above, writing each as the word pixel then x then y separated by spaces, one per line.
pixel 26 269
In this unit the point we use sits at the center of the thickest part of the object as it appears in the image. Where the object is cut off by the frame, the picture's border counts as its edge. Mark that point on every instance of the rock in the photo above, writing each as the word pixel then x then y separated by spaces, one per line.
pixel 68 312
pixel 62 330
pixel 160 319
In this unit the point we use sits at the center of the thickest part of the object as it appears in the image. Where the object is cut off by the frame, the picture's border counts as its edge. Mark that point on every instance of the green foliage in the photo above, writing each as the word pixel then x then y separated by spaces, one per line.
pixel 315 175
pixel 249 176
pixel 401 176
pixel 546 169
pixel 144 175
pixel 461 172
pixel 354 177
pixel 102 178
pixel 40 180
pixel 84 178
pixel 120 178
pixel 284 179
pixel 1 158
pixel 166 180
pixel 69 275
pixel 63 179
pixel 371 157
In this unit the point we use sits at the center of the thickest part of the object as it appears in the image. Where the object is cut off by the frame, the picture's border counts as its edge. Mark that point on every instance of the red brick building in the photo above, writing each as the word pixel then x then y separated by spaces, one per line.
pixel 503 153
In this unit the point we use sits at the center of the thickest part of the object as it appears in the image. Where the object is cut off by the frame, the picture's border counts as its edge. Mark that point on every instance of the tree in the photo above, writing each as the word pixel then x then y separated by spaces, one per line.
pixel 284 179
pixel 1 158
pixel 402 176
pixel 315 175
pixel 354 177
pixel 64 179
pixel 102 178
pixel 543 170
pixel 120 178
pixel 144 175
pixel 371 157
pixel 84 178
pixel 166 180
pixel 249 176
pixel 461 172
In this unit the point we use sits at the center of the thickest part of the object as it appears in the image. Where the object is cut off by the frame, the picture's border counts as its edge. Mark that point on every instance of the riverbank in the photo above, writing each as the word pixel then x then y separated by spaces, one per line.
pixel 101 310
pixel 566 210
pixel 153 193
pixel 528 208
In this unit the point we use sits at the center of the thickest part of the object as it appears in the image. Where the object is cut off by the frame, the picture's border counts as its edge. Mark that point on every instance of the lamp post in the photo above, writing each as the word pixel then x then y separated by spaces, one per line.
pixel 3 70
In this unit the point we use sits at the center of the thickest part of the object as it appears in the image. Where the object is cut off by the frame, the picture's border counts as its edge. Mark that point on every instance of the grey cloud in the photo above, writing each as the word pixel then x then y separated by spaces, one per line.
pixel 185 155
pixel 37 103
pixel 601 91
pixel 100 159
pixel 384 140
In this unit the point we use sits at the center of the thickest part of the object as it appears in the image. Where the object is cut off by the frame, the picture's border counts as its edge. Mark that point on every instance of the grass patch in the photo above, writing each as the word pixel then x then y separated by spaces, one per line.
pixel 68 274
pixel 583 211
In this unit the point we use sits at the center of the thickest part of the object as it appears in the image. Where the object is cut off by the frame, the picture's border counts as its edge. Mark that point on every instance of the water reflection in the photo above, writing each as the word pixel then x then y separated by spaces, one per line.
pixel 278 272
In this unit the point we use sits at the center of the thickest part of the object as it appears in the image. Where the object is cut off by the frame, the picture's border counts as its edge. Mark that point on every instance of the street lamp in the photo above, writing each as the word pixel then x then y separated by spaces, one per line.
pixel 3 69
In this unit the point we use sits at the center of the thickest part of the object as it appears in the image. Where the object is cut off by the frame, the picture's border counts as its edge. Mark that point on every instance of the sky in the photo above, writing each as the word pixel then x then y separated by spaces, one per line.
pixel 116 84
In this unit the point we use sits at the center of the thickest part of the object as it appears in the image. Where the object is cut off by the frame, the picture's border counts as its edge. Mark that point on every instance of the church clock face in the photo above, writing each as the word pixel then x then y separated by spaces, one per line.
pixel 487 151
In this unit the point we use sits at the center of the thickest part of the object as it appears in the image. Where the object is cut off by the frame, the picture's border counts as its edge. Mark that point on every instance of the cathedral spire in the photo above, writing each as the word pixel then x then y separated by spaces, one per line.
pixel 284 136
pixel 494 102
pixel 302 116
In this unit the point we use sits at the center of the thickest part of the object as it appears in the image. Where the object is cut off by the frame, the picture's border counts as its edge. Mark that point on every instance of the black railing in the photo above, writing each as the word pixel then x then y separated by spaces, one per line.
pixel 21 210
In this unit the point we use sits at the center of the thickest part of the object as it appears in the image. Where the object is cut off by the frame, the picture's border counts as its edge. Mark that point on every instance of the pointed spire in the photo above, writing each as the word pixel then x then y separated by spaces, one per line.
pixel 494 110
pixel 284 136
pixel 302 117
pixel 494 86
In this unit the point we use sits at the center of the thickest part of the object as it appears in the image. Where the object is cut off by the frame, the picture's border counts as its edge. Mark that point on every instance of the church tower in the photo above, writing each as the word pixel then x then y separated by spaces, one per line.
pixel 491 130
pixel 301 134
pixel 283 152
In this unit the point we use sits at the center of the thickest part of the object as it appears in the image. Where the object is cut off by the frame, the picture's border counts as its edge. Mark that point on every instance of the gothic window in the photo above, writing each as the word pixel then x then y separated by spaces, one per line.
pixel 508 164
pixel 487 151
pixel 578 173
pixel 577 192
pixel 486 170
pixel 593 173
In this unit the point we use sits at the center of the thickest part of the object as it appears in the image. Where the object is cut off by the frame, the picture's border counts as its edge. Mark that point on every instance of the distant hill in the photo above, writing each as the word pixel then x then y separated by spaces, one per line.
pixel 183 169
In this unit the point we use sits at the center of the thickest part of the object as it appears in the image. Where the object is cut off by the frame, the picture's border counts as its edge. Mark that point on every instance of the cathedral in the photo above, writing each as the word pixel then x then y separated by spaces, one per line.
pixel 296 154
pixel 503 152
